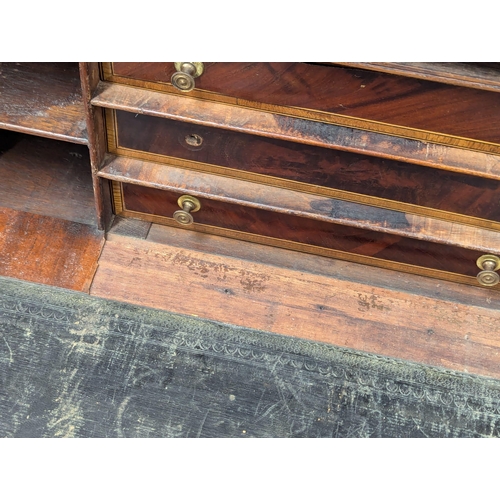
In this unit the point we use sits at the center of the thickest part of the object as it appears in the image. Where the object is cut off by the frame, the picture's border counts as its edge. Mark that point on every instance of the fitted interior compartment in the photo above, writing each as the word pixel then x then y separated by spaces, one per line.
pixel 46 177
pixel 43 99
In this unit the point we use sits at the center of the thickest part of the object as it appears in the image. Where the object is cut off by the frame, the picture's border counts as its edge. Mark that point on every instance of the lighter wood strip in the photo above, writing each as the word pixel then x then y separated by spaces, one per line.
pixel 301 204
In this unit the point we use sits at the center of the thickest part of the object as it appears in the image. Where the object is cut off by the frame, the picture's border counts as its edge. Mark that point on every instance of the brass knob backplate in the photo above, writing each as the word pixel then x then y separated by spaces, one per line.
pixel 188 204
pixel 489 264
pixel 183 78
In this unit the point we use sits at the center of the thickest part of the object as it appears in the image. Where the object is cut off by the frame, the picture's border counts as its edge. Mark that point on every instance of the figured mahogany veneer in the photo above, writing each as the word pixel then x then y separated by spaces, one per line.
pixel 311 206
pixel 312 236
pixel 381 182
pixel 369 96
pixel 307 129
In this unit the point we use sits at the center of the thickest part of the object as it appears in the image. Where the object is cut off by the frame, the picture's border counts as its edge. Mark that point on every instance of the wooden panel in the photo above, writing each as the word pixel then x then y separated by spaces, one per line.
pixel 305 131
pixel 340 171
pixel 311 235
pixel 47 177
pixel 130 227
pixel 181 181
pixel 48 250
pixel 438 323
pixel 43 99
pixel 484 76
pixel 352 92
pixel 89 74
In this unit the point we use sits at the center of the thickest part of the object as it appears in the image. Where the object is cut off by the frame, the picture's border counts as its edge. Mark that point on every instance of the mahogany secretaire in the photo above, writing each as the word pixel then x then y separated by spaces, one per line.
pixel 352 203
pixel 394 165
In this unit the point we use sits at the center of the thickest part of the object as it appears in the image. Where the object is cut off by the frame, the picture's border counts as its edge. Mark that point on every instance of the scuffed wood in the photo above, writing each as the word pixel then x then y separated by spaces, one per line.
pixel 89 75
pixel 313 264
pixel 441 331
pixel 134 228
pixel 43 99
pixel 305 131
pixel 48 250
pixel 78 366
pixel 47 177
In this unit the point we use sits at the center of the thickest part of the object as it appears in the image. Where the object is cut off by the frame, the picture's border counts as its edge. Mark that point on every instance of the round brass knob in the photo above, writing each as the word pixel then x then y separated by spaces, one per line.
pixel 183 78
pixel 489 264
pixel 188 204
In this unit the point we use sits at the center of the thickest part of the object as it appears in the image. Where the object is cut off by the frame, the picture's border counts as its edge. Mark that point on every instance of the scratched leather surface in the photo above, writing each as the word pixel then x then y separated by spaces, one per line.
pixel 75 366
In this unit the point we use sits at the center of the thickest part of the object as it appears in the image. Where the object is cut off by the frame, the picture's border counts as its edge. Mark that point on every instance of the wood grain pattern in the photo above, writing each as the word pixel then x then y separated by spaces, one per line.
pixel 48 250
pixel 43 99
pixel 47 177
pixel 78 366
pixel 90 75
pixel 352 92
pixel 311 235
pixel 181 181
pixel 305 131
pixel 130 227
pixel 425 328
pixel 314 264
pixel 484 76
pixel 266 159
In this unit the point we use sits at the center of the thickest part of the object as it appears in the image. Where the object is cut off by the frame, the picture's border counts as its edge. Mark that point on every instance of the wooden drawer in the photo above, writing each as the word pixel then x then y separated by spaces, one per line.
pixel 299 233
pixel 366 179
pixel 353 97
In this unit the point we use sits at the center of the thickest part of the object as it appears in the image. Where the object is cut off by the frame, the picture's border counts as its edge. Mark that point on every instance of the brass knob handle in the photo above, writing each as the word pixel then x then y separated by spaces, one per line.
pixel 183 78
pixel 489 264
pixel 188 204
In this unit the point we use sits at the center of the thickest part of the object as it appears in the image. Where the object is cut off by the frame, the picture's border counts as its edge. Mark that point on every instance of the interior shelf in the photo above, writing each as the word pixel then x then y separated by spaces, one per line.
pixel 43 99
pixel 46 177
pixel 484 76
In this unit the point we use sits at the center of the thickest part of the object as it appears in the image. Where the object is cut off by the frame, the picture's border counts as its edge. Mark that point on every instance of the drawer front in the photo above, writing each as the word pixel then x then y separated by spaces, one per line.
pixel 369 100
pixel 307 235
pixel 371 180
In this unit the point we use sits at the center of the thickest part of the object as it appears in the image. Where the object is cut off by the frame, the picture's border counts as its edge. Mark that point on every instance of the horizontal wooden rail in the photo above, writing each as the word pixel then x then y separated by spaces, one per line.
pixel 307 205
pixel 305 131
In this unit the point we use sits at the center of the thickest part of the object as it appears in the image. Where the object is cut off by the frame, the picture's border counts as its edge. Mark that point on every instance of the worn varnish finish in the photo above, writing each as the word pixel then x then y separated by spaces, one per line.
pixel 484 76
pixel 313 264
pixel 43 99
pixel 305 131
pixel 318 168
pixel 48 250
pixel 351 92
pixel 439 325
pixel 46 177
pixel 89 74
pixel 209 186
pixel 78 366
pixel 279 229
